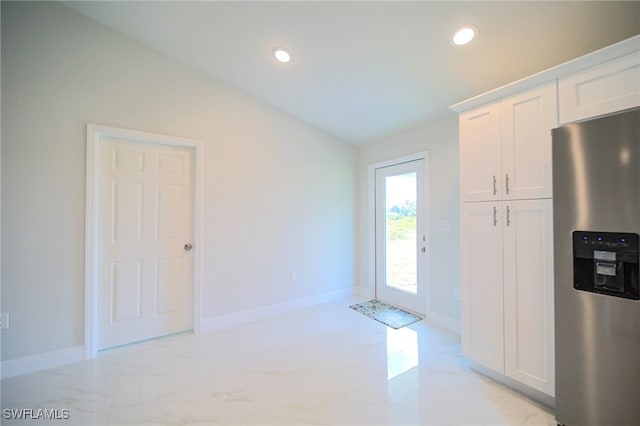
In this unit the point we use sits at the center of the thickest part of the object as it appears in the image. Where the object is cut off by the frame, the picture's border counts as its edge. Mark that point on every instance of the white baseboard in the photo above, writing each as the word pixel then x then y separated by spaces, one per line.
pixel 223 321
pixel 30 364
pixel 444 322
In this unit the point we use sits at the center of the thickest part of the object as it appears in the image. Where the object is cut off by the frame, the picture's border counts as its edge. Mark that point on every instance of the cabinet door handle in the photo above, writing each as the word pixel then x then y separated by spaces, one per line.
pixel 495 188
pixel 508 216
pixel 506 182
pixel 495 216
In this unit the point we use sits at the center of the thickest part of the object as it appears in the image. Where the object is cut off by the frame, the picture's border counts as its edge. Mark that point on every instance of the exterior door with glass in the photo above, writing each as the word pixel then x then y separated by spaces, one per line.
pixel 401 235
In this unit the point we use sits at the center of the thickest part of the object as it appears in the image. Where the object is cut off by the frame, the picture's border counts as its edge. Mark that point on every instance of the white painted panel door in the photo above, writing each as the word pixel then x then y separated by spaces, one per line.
pixel 401 235
pixel 145 220
pixel 528 292
pixel 527 120
pixel 480 154
pixel 481 284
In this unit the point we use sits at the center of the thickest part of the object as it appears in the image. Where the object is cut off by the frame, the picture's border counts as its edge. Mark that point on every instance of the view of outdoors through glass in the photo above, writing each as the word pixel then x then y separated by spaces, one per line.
pixel 401 237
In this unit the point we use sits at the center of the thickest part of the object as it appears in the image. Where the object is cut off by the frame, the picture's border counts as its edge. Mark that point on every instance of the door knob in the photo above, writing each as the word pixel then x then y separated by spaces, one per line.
pixel 188 247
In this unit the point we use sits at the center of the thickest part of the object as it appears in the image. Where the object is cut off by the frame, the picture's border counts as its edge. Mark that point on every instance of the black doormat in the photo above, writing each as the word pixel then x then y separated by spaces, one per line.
pixel 387 314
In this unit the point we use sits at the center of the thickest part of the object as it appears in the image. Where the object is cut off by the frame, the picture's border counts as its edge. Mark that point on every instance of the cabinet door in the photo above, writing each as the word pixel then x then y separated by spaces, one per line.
pixel 610 87
pixel 528 293
pixel 527 120
pixel 481 290
pixel 480 146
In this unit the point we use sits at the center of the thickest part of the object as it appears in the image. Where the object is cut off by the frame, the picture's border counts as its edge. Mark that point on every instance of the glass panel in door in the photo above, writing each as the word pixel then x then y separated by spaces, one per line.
pixel 401 260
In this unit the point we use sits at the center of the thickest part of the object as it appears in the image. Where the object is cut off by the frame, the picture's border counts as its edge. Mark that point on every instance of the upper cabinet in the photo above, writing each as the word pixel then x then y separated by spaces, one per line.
pixel 600 82
pixel 527 120
pixel 505 147
pixel 505 134
pixel 481 154
pixel 609 87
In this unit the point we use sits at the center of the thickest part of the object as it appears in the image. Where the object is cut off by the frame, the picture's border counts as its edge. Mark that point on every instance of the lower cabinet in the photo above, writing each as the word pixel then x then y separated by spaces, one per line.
pixel 507 289
pixel 481 290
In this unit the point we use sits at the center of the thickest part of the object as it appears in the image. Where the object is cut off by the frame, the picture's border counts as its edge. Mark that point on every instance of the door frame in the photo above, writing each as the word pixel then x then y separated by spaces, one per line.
pixel 95 133
pixel 371 232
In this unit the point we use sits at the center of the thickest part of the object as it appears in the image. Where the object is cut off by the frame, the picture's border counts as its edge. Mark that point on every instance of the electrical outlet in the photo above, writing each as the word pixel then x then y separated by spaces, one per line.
pixel 4 321
pixel 294 277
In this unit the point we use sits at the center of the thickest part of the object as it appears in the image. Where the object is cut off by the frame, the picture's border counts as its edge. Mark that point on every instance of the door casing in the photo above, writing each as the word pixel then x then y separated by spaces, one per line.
pixel 95 133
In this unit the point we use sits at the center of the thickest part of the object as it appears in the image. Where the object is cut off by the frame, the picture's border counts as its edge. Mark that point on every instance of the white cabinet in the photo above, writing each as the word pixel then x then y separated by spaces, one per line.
pixel 505 147
pixel 506 230
pixel 528 293
pixel 507 289
pixel 527 120
pixel 482 284
pixel 480 153
pixel 602 89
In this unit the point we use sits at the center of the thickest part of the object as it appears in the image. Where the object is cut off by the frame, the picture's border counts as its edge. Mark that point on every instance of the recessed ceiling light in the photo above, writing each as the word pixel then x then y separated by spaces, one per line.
pixel 464 35
pixel 281 54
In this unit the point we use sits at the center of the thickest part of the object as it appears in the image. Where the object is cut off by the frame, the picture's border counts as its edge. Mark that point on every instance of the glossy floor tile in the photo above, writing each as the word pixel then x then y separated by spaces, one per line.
pixel 324 365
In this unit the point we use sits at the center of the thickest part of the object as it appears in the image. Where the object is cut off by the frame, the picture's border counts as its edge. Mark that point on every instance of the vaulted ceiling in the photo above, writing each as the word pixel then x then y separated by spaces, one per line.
pixel 364 70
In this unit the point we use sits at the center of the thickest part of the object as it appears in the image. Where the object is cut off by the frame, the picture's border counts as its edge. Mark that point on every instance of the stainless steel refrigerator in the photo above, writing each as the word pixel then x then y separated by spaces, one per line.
pixel 596 187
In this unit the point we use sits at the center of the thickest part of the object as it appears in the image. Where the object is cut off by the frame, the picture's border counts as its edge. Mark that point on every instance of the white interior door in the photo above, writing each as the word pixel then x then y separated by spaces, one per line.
pixel 145 274
pixel 401 235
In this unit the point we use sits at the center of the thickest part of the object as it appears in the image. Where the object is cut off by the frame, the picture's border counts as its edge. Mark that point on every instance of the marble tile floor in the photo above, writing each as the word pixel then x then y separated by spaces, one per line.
pixel 323 365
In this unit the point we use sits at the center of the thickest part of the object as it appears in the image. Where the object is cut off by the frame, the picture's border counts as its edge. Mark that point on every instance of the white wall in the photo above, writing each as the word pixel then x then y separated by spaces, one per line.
pixel 440 138
pixel 279 194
